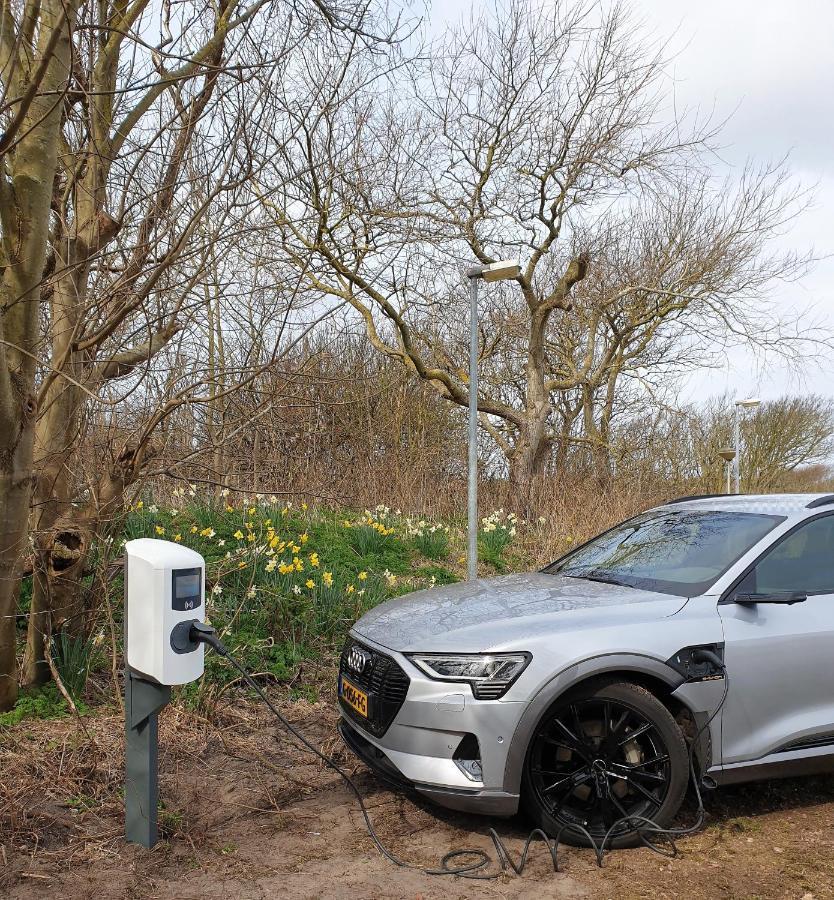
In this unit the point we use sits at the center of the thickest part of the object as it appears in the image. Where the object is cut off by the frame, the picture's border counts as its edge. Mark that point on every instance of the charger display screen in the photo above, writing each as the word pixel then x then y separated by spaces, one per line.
pixel 185 590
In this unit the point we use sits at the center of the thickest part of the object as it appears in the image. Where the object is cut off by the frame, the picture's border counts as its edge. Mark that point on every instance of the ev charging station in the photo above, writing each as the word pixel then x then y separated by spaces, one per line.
pixel 164 597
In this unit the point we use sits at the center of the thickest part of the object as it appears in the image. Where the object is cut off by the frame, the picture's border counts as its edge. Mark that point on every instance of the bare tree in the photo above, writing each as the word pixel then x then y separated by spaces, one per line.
pixel 116 154
pixel 532 135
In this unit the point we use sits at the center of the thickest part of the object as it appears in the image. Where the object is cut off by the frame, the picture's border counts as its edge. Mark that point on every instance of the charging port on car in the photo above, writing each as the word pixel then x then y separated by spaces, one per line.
pixel 688 662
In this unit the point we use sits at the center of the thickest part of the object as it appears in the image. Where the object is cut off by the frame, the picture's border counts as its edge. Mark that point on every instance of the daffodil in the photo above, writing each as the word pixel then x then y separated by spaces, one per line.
pixel 159 529
pixel 238 534
pixel 252 510
pixel 139 505
pixel 314 560
pixel 363 576
pixel 309 583
pixel 304 506
pixel 194 529
pixel 304 537
pixel 177 538
pixel 251 592
pixel 241 564
pixel 350 589
pixel 327 578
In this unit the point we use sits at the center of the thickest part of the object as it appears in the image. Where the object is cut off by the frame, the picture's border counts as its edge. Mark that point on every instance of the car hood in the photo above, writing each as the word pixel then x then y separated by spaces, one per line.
pixel 497 613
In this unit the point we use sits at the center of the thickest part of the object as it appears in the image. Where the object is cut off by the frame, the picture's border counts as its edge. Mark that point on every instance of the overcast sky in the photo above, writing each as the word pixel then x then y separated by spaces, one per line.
pixel 769 65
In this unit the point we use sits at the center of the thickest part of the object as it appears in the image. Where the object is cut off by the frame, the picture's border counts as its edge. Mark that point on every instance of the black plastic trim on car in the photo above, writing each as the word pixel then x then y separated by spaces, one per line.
pixel 808 743
pixel 727 596
pixel 821 501
pixel 385 683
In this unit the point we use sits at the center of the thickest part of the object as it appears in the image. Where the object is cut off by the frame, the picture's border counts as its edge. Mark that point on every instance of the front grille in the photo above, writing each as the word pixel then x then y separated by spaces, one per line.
pixel 382 680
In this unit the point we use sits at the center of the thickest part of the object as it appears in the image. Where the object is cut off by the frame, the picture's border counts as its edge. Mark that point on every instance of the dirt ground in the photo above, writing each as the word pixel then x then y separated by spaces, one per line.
pixel 247 815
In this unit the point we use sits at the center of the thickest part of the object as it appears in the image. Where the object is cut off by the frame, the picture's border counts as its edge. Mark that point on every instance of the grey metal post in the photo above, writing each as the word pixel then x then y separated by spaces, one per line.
pixel 472 494
pixel 143 701
pixel 736 458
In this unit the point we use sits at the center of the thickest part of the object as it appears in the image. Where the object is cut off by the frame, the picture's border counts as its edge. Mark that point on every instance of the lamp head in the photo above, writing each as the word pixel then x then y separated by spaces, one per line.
pixel 497 271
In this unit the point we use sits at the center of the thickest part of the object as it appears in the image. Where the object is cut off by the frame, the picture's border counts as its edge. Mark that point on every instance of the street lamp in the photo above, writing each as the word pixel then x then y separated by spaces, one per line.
pixel 750 403
pixel 728 454
pixel 497 271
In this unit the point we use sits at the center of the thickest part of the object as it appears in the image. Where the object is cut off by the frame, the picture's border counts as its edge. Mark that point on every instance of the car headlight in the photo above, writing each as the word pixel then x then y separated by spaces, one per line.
pixel 489 674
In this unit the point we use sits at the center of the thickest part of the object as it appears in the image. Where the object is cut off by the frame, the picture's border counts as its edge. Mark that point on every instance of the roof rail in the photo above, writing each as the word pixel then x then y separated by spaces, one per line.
pixel 694 497
pixel 821 501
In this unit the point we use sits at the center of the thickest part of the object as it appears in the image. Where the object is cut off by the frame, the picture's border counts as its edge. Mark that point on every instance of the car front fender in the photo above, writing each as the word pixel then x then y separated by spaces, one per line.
pixel 621 663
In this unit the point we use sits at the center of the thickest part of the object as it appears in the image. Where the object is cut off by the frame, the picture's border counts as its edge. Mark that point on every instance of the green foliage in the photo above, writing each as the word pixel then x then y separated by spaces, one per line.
pixel 495 536
pixel 46 703
pixel 73 657
pixel 431 539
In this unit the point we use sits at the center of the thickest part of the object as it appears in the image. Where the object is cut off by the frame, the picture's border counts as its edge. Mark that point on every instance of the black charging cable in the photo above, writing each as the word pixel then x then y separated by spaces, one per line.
pixel 479 860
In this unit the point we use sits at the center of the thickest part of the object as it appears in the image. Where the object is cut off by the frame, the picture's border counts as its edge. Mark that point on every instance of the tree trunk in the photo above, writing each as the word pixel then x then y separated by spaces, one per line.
pixel 26 187
pixel 528 463
pixel 16 476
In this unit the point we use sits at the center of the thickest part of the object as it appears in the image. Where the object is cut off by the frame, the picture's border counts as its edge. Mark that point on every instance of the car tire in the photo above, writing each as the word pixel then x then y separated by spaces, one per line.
pixel 600 752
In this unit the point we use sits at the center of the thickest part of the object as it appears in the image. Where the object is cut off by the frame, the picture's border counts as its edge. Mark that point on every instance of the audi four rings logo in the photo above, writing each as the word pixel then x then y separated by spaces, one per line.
pixel 357 660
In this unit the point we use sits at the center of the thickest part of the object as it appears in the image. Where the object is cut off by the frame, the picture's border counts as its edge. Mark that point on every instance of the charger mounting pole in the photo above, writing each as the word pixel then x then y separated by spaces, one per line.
pixel 143 702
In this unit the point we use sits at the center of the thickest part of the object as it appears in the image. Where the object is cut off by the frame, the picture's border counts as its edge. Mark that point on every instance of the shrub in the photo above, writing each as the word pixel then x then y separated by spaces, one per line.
pixel 496 534
pixel 431 539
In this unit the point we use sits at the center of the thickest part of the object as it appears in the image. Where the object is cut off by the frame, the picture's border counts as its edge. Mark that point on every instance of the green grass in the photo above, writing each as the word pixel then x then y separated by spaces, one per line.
pixel 46 703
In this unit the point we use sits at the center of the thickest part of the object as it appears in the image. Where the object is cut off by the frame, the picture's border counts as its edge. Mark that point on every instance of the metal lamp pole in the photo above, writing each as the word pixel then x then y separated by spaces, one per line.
pixel 747 404
pixel 496 271
pixel 472 476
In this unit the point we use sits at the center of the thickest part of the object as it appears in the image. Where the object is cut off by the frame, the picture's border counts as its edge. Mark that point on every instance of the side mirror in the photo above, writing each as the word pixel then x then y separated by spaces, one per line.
pixel 786 597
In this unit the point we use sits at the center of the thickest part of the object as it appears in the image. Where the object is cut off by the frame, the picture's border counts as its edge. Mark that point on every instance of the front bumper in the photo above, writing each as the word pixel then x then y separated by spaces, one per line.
pixel 417 750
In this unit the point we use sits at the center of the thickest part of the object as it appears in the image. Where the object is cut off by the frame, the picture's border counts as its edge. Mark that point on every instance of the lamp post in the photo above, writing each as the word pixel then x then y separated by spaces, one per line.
pixel 728 454
pixel 497 271
pixel 750 403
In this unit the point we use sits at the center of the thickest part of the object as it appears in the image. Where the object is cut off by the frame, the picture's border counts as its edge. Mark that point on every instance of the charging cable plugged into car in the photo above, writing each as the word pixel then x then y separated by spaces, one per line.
pixel 165 638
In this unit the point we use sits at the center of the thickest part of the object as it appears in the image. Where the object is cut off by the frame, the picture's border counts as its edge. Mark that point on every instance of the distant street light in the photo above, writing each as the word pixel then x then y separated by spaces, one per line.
pixel 505 268
pixel 728 454
pixel 750 403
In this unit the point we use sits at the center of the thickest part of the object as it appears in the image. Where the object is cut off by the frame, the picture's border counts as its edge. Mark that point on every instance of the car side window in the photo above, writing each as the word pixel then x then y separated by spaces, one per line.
pixel 802 562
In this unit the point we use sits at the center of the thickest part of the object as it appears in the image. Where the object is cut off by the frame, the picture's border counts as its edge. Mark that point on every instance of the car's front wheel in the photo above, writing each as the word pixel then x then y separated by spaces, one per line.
pixel 603 753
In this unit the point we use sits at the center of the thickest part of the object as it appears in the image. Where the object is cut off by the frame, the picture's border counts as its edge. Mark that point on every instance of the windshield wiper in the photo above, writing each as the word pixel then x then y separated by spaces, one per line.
pixel 594 576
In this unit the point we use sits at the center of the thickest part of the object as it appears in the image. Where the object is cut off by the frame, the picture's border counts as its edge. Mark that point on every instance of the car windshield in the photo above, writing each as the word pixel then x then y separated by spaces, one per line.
pixel 672 551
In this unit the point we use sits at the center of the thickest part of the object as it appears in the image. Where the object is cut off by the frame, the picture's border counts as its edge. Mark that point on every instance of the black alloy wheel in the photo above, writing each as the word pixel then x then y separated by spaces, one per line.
pixel 602 754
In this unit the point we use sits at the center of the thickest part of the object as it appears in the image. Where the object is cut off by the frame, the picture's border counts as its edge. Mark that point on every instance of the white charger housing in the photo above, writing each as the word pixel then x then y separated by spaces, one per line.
pixel 164 586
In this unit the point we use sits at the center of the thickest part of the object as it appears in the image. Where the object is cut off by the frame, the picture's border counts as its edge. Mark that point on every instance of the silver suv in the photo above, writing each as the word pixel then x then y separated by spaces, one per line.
pixel 577 690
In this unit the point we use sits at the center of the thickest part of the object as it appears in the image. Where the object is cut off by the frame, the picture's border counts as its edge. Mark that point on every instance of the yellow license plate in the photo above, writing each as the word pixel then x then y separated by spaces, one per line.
pixel 355 698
